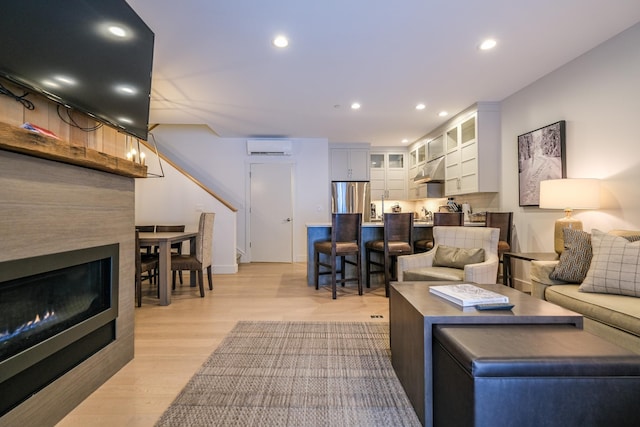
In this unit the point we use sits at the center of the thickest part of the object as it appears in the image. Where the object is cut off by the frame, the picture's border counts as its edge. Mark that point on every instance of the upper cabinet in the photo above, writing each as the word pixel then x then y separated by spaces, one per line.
pixel 461 161
pixel 349 164
pixel 388 175
pixel 470 143
pixel 472 149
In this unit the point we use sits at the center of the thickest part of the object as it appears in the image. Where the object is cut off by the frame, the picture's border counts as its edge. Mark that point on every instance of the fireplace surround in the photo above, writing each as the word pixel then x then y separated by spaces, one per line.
pixel 56 310
pixel 46 208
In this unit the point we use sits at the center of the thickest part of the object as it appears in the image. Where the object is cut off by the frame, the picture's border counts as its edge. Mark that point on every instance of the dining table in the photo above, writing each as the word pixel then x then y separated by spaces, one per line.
pixel 163 241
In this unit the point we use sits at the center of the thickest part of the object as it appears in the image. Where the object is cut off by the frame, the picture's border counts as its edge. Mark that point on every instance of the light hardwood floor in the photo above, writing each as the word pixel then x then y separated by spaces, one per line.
pixel 172 342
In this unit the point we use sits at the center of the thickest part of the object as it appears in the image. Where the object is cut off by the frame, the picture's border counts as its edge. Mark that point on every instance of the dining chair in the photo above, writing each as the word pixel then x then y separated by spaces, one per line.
pixel 503 221
pixel 397 240
pixel 146 229
pixel 346 236
pixel 176 248
pixel 201 259
pixel 144 263
pixel 439 219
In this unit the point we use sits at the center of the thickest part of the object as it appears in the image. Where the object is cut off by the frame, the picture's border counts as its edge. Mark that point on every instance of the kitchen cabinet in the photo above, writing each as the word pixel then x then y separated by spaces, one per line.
pixel 417 160
pixel 388 175
pixel 435 147
pixel 418 154
pixel 349 164
pixel 472 151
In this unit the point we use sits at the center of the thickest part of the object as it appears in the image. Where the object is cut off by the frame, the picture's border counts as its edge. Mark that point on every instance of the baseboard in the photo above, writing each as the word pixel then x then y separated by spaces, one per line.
pixel 225 269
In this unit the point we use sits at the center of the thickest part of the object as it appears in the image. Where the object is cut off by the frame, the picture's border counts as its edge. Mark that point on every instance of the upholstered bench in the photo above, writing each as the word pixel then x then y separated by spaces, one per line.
pixel 532 375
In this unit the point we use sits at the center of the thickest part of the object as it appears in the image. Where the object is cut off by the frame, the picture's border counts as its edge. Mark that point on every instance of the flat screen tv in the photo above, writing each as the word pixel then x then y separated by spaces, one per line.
pixel 94 56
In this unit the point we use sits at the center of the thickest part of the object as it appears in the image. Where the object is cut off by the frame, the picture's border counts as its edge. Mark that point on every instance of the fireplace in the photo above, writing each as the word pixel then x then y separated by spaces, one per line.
pixel 56 311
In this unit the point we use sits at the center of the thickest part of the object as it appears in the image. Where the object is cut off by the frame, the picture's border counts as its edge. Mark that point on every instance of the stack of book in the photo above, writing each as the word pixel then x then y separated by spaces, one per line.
pixel 466 295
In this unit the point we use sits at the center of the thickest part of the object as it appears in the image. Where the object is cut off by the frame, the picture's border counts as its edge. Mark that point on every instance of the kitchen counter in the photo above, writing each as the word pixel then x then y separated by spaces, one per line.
pixel 370 231
pixel 380 224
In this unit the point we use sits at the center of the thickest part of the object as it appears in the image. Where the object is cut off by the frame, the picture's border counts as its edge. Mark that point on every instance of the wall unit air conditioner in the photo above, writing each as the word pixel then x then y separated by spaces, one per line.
pixel 269 147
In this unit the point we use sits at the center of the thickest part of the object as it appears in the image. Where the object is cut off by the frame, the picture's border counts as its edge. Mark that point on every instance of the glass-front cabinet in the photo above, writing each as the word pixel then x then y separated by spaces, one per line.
pixel 388 175
pixel 471 143
pixel 461 163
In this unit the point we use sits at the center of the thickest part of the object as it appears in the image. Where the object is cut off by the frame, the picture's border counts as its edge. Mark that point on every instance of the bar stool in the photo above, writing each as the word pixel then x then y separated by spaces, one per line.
pixel 440 219
pixel 503 221
pixel 398 240
pixel 346 236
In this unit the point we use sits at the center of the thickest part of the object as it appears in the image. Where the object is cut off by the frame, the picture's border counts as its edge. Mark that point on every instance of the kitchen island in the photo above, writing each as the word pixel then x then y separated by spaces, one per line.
pixel 370 231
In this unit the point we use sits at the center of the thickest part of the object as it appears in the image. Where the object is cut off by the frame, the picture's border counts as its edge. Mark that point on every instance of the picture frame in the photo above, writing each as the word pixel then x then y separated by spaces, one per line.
pixel 541 156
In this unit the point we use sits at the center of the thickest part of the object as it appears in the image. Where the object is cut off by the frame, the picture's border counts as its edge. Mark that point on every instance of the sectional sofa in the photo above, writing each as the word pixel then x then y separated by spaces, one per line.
pixel 598 276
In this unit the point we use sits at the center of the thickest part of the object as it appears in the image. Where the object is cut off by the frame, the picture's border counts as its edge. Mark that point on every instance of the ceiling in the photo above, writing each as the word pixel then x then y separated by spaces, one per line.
pixel 214 63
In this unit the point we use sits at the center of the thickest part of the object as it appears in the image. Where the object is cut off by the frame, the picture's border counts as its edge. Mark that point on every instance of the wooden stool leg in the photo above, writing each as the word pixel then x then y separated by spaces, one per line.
pixel 333 277
pixel 359 272
pixel 368 262
pixel 316 268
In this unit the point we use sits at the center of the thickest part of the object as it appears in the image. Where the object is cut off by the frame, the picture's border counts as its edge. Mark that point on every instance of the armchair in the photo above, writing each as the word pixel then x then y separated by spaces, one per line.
pixel 420 266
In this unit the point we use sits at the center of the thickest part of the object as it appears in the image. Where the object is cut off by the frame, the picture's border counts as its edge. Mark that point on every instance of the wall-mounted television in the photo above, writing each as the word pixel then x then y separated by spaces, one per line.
pixel 94 56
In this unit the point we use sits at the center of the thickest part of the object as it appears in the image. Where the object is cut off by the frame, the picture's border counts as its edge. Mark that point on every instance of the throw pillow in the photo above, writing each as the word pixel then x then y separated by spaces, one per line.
pixel 615 266
pixel 576 257
pixel 448 256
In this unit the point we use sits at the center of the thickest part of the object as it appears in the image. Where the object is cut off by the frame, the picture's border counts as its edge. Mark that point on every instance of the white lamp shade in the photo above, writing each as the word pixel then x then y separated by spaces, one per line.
pixel 570 193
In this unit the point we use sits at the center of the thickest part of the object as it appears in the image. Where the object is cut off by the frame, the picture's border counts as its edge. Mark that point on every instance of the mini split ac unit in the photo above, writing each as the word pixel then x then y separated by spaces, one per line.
pixel 269 147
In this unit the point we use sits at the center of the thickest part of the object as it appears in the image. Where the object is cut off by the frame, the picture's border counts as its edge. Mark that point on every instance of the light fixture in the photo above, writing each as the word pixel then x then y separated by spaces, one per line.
pixel 405 141
pixel 280 41
pixel 420 106
pixel 443 114
pixel 568 194
pixel 355 106
pixel 134 153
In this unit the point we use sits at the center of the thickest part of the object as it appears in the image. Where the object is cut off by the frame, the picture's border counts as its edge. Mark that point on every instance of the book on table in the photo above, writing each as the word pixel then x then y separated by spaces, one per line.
pixel 467 295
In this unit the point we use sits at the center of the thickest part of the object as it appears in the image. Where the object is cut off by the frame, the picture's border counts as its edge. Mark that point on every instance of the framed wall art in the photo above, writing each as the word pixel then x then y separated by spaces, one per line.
pixel 541 156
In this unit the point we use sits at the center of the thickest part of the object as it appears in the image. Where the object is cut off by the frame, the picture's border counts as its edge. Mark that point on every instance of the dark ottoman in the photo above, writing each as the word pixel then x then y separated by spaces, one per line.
pixel 532 375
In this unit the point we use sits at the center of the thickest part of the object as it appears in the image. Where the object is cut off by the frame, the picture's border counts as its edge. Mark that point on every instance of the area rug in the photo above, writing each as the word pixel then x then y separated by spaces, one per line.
pixel 296 374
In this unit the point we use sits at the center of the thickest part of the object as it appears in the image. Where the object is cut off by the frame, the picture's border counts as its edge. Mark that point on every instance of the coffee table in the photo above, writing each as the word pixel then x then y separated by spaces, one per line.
pixel 413 312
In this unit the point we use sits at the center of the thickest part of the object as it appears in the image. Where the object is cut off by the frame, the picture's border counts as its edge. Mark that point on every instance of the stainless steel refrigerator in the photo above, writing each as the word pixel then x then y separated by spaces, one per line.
pixel 351 197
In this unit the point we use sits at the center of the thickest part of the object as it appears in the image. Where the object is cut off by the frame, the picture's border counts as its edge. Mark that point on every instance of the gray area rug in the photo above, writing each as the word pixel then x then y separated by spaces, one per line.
pixel 296 374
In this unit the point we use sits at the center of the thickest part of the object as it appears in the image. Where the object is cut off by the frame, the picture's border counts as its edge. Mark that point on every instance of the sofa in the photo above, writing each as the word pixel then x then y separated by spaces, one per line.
pixel 598 276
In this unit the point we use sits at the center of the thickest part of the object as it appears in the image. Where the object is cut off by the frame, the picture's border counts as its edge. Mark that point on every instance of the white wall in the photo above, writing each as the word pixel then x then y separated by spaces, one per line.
pixel 597 95
pixel 222 164
pixel 175 199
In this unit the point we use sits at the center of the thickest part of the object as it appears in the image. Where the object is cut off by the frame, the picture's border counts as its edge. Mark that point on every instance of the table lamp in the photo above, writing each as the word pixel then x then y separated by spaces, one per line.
pixel 568 194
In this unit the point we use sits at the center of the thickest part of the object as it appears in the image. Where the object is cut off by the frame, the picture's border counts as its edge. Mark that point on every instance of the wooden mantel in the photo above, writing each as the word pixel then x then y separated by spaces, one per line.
pixel 16 139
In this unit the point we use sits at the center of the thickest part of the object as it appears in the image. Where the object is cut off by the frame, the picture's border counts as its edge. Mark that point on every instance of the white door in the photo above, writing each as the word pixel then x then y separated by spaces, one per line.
pixel 271 212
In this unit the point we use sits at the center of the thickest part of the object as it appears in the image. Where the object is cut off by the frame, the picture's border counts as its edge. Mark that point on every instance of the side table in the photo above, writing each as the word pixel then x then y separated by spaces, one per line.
pixel 526 256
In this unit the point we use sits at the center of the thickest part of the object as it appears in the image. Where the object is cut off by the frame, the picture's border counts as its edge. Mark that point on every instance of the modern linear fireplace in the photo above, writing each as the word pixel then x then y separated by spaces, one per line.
pixel 55 311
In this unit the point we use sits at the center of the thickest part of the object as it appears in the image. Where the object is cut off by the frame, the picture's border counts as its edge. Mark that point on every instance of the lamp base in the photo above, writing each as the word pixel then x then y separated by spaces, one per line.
pixel 558 237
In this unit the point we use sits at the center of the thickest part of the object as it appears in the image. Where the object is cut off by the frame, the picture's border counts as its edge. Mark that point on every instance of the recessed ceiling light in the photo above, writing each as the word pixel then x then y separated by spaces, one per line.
pixel 280 41
pixel 488 44
pixel 443 114
pixel 355 106
pixel 405 141
pixel 420 106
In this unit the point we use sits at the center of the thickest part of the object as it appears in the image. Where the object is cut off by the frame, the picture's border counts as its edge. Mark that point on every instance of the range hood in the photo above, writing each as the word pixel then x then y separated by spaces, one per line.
pixel 433 171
